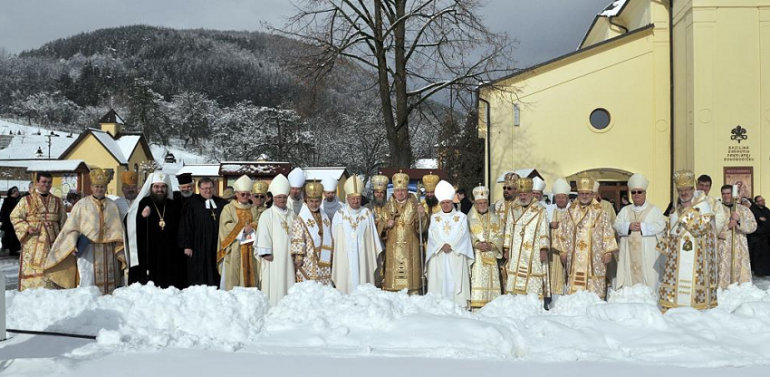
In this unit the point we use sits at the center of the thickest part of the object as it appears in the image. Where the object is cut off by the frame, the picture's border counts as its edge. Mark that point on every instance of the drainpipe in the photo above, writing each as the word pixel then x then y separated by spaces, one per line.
pixel 2 308
pixel 489 144
pixel 671 94
pixel 617 25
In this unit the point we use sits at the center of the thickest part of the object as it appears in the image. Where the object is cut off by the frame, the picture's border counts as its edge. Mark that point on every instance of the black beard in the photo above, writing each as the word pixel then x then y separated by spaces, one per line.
pixel 431 201
pixel 158 198
pixel 379 202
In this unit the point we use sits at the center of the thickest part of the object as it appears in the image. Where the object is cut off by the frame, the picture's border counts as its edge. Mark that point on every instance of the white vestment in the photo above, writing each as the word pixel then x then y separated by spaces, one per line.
pixel 639 261
pixel 356 247
pixel 295 205
pixel 123 206
pixel 273 238
pixel 449 273
pixel 331 208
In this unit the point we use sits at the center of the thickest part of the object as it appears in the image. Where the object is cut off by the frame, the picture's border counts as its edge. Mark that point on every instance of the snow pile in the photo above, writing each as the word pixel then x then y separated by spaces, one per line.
pixel 613 9
pixel 317 319
pixel 145 317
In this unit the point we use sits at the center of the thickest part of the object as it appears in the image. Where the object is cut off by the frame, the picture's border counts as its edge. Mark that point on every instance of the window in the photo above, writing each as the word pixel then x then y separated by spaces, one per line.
pixel 516 115
pixel 600 119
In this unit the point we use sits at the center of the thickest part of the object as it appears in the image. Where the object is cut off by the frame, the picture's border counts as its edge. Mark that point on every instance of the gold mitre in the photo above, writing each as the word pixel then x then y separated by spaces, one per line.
pixel 480 192
pixel 585 183
pixel 510 179
pixel 259 187
pixel 99 177
pixel 400 180
pixel 684 178
pixel 314 190
pixel 129 178
pixel 523 185
pixel 430 181
pixel 380 183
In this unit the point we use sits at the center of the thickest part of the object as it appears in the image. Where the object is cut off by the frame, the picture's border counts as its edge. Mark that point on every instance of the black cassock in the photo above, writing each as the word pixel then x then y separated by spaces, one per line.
pixel 199 230
pixel 160 258
pixel 759 242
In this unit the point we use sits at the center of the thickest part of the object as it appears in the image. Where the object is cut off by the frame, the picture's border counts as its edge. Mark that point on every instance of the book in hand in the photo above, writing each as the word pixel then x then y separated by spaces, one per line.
pixel 247 238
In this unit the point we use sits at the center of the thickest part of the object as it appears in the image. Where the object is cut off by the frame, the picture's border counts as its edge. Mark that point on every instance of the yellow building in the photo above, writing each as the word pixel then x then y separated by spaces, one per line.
pixel 110 148
pixel 607 108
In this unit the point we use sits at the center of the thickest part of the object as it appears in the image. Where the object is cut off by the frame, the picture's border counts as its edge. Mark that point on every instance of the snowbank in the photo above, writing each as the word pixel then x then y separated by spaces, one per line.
pixel 319 320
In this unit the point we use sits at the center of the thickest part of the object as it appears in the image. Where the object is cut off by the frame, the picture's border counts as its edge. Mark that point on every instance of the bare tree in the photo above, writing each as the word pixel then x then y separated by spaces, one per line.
pixel 416 47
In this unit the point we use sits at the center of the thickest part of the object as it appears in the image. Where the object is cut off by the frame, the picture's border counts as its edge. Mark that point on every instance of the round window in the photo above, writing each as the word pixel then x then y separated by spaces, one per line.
pixel 600 119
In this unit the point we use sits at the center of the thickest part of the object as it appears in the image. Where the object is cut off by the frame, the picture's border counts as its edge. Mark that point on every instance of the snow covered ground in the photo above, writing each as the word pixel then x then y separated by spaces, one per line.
pixel 142 330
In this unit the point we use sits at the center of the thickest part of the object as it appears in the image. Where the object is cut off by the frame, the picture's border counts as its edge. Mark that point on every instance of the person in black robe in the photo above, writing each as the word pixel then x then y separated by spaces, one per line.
pixel 10 241
pixel 198 232
pixel 157 229
pixel 759 241
pixel 186 188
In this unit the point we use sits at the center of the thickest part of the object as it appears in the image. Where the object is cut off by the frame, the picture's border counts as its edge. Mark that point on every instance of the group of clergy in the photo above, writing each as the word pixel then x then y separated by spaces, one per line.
pixel 518 245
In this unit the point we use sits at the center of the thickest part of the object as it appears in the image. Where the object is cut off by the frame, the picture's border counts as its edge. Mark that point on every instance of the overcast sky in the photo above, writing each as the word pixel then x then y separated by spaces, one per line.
pixel 544 28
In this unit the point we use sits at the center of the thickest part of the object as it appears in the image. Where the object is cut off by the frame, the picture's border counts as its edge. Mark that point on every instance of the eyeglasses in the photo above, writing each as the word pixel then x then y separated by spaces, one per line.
pixel 259 196
pixel 507 188
pixel 637 192
pixel 243 193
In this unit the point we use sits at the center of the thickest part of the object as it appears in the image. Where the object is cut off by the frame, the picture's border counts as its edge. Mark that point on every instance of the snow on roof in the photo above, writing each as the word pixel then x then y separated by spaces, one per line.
pixel 202 170
pixel 159 154
pixel 319 173
pixel 22 185
pixel 252 168
pixel 44 165
pixel 25 146
pixel 111 144
pixel 426 163
pixel 613 9
pixel 127 144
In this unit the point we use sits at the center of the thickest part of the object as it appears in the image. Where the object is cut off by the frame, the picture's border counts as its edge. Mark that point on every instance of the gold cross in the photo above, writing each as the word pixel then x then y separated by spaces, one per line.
pixel 213 215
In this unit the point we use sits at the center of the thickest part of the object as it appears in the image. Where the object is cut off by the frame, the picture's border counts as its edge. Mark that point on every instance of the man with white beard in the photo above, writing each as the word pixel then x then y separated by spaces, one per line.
pixel 330 205
pixel 450 253
pixel 356 242
pixel 297 183
pixel 639 226
pixel 273 242
pixel 186 187
pixel 538 186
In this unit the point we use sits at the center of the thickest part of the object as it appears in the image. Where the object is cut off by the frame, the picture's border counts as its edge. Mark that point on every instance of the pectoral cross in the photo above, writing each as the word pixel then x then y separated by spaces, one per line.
pixel 213 216
pixel 447 228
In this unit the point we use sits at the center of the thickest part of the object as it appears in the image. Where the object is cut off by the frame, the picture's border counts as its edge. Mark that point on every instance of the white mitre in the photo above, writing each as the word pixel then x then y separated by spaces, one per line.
pixel 354 186
pixel 561 186
pixel 638 181
pixel 596 186
pixel 296 178
pixel 444 191
pixel 329 183
pixel 480 193
pixel 538 184
pixel 279 185
pixel 243 183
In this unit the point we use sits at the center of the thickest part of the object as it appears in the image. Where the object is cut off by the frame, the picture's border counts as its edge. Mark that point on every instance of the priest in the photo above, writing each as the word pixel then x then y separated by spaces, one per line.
pixel 130 190
pixel 538 187
pixel 487 240
pixel 450 253
pixel 236 234
pixel 400 229
pixel 259 195
pixel 733 246
pixel 297 183
pixel 330 204
pixel 586 242
pixel 557 212
pixel 430 202
pixel 377 207
pixel 311 239
pixel 186 187
pixel 356 243
pixel 153 228
pixel 503 206
pixel 37 220
pixel 526 244
pixel 89 249
pixel 639 226
pixel 198 232
pixel 690 276
pixel 273 240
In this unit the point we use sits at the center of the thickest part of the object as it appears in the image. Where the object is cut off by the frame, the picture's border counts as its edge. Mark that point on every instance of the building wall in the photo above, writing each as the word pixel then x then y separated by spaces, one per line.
pixel 722 68
pixel 91 151
pixel 628 77
pixel 137 158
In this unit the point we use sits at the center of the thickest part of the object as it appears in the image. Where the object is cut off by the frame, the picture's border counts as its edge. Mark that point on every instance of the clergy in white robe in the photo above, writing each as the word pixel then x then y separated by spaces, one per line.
pixel 295 200
pixel 273 241
pixel 330 204
pixel 733 245
pixel 557 212
pixel 356 241
pixel 639 226
pixel 450 253
pixel 311 239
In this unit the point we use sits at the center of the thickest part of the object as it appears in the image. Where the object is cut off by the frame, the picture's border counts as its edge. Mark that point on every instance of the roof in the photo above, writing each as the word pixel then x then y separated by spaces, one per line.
pixel 120 147
pixel 110 144
pixel 46 165
pixel 568 55
pixel 610 11
pixel 254 168
pixel 127 143
pixel 25 146
pixel 426 163
pixel 319 173
pixel 112 117
pixel 202 170
pixel 528 173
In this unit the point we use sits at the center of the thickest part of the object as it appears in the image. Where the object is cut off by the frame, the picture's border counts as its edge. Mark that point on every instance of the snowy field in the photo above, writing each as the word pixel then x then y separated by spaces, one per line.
pixel 142 330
